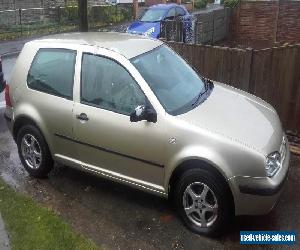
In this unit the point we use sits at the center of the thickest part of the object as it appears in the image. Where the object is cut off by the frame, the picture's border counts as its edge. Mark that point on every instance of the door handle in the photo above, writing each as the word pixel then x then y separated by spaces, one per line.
pixel 82 117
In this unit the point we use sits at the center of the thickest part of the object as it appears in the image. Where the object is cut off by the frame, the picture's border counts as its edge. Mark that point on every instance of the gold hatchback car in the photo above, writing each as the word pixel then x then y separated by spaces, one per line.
pixel 128 108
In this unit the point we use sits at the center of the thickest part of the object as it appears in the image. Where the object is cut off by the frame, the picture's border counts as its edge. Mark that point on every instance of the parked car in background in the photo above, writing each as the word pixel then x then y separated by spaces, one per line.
pixel 149 24
pixel 130 109
pixel 115 2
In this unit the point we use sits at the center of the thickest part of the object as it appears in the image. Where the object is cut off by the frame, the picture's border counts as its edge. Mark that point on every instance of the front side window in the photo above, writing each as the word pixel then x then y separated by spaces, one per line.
pixel 176 85
pixel 52 72
pixel 108 85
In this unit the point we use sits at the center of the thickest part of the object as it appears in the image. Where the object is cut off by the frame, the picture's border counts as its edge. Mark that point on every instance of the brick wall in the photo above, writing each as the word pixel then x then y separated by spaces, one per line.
pixel 152 2
pixel 270 21
pixel 289 21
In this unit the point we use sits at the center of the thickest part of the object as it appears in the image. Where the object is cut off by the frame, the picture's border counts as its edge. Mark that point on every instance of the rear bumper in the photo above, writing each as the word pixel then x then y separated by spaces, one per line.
pixel 258 195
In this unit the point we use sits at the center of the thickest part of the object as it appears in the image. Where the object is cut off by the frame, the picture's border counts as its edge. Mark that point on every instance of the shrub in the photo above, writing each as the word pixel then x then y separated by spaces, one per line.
pixel 70 12
pixel 231 3
pixel 200 4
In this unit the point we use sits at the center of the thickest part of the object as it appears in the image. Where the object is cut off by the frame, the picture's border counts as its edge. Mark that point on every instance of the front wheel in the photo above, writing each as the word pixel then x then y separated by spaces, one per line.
pixel 202 202
pixel 34 152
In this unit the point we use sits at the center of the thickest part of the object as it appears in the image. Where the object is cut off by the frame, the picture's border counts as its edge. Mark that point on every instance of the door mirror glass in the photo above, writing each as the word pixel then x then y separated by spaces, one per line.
pixel 143 112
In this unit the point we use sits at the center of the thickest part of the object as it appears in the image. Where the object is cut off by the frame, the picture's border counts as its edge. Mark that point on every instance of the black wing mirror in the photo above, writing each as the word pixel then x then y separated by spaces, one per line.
pixel 143 112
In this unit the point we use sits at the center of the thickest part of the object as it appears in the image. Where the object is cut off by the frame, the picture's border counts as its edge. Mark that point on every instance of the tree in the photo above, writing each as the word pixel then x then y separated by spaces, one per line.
pixel 82 13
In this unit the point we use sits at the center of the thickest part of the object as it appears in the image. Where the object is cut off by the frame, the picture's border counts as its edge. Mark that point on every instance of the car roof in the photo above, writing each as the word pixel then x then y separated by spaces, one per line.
pixel 164 6
pixel 128 45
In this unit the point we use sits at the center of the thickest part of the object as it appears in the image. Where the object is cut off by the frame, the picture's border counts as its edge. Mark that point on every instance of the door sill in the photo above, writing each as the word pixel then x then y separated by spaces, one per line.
pixel 133 182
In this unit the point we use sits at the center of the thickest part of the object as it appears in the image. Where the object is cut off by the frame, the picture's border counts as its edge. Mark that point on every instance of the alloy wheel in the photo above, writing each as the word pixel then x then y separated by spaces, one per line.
pixel 200 204
pixel 31 151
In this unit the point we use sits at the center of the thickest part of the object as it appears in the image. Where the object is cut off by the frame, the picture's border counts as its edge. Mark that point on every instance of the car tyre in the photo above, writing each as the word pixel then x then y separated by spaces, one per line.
pixel 202 202
pixel 34 152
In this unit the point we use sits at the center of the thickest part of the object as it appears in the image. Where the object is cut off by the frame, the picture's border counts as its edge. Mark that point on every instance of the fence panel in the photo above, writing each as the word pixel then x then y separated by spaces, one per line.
pixel 272 74
pixel 275 78
pixel 222 64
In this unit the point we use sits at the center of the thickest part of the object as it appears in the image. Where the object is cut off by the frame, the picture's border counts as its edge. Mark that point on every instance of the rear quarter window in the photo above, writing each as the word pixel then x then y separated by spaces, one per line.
pixel 52 72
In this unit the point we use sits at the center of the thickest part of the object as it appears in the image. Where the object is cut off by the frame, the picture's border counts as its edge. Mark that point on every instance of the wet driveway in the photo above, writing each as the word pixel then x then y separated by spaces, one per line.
pixel 118 217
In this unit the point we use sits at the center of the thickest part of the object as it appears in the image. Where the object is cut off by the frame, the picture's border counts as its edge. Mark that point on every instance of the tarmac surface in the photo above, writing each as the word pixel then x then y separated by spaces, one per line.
pixel 115 216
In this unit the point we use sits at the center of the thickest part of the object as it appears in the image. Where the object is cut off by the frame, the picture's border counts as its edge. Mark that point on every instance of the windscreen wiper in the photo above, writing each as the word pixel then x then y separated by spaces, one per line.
pixel 202 93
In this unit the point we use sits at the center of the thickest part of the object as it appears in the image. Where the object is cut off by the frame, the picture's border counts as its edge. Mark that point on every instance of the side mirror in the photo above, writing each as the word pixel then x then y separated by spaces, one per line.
pixel 143 113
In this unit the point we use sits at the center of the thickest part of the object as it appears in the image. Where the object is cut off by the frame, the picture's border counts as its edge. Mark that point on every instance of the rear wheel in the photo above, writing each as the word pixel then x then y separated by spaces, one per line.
pixel 202 202
pixel 34 152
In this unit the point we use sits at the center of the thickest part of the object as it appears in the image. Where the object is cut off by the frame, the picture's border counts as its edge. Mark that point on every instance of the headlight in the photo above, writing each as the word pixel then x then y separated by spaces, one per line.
pixel 149 32
pixel 273 163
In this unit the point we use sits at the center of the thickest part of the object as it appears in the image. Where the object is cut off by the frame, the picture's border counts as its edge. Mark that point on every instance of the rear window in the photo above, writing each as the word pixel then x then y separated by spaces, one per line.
pixel 180 11
pixel 52 72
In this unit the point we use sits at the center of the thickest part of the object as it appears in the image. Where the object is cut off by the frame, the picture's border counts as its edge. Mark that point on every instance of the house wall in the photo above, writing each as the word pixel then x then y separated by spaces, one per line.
pixel 152 2
pixel 274 21
pixel 289 21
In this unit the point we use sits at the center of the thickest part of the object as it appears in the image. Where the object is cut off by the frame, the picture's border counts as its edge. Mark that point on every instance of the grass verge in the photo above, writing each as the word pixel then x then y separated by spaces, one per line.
pixel 31 226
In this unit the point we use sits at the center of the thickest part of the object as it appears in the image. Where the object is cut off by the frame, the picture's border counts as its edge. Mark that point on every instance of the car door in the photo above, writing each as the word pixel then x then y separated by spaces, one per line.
pixel 107 140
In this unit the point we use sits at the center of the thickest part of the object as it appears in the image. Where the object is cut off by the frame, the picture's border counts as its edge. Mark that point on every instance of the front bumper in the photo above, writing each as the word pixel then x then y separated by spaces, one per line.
pixel 258 195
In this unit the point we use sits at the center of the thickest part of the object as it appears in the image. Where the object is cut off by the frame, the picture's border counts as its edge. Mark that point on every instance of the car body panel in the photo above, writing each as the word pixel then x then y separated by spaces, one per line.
pixel 144 154
pixel 139 27
pixel 109 140
pixel 121 43
pixel 39 106
pixel 218 114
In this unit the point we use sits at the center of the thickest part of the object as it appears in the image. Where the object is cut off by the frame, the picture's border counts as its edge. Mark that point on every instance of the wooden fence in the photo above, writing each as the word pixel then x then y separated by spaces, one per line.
pixel 272 74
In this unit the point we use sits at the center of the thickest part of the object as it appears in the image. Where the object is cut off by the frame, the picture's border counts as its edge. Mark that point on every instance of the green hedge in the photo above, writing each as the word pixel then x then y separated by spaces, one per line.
pixel 230 3
pixel 200 4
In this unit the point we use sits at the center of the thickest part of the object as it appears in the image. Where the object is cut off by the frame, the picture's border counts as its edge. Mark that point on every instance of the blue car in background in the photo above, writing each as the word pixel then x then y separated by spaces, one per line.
pixel 149 24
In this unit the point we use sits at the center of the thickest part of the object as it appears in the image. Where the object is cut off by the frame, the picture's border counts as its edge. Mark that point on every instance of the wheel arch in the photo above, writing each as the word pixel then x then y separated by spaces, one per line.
pixel 19 122
pixel 201 164
pixel 22 120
